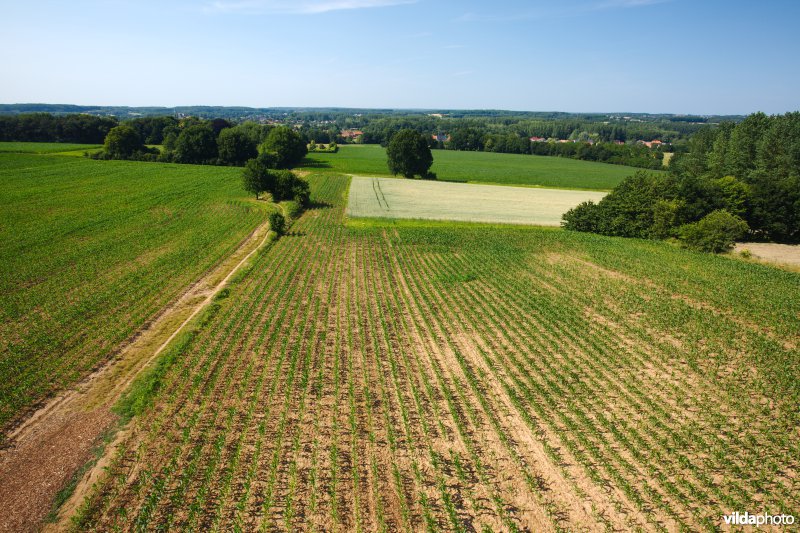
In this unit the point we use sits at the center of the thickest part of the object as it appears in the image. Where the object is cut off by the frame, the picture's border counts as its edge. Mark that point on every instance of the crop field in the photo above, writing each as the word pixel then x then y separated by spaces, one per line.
pixel 432 200
pixel 44 148
pixel 90 251
pixel 453 376
pixel 481 167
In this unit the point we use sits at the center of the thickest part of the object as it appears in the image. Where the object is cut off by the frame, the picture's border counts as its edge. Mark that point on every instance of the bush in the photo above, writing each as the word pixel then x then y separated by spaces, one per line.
pixel 583 217
pixel 292 209
pixel 716 232
pixel 277 223
pixel 290 187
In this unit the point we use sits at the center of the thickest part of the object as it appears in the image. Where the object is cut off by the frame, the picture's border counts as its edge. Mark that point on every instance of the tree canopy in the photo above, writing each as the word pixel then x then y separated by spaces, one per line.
pixel 288 145
pixel 408 154
pixel 122 142
pixel 747 172
pixel 196 144
pixel 235 146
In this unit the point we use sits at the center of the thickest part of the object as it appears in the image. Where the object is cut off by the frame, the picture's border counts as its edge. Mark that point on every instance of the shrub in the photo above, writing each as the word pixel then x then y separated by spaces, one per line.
pixel 716 232
pixel 290 187
pixel 583 217
pixel 277 223
pixel 292 209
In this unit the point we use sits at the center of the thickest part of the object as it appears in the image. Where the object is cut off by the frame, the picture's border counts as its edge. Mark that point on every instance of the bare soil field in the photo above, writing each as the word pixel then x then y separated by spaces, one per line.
pixel 401 198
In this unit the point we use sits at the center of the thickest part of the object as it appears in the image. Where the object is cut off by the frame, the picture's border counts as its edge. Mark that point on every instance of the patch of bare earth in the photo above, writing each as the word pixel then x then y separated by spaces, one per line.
pixel 783 254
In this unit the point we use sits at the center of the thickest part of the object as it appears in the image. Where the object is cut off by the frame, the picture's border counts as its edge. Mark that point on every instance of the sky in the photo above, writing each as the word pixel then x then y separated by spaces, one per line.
pixel 657 56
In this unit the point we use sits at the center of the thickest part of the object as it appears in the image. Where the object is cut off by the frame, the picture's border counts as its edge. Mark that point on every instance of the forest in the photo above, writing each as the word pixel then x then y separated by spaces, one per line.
pixel 735 179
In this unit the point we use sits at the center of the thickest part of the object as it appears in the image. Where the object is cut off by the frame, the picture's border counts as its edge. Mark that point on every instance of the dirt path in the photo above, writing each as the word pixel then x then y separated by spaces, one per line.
pixel 48 449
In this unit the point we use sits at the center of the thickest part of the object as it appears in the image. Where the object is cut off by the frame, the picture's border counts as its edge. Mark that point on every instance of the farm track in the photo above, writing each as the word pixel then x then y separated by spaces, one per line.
pixel 45 451
pixel 391 378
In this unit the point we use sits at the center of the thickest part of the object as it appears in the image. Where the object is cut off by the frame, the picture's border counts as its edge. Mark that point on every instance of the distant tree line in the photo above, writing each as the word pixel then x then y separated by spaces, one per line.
pixel 43 127
pixel 734 180
pixel 593 141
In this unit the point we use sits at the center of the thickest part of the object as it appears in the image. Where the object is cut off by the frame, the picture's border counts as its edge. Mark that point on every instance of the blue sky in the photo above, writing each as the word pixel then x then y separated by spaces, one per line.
pixel 673 56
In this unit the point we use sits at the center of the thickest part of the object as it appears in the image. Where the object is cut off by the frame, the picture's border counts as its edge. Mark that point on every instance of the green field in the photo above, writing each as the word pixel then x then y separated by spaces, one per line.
pixel 481 167
pixel 91 250
pixel 408 376
pixel 45 148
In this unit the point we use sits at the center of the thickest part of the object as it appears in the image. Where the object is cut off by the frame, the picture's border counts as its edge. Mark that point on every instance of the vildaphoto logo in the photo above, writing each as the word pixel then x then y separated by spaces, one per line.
pixel 747 519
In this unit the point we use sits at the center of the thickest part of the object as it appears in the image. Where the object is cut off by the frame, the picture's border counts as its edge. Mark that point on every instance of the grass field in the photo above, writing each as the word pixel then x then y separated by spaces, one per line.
pixel 45 148
pixel 91 250
pixel 481 167
pixel 401 198
pixel 426 376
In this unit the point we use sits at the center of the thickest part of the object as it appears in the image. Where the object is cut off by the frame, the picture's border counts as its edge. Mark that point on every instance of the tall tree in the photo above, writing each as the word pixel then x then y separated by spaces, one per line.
pixel 288 145
pixel 196 144
pixel 408 154
pixel 122 142
pixel 235 146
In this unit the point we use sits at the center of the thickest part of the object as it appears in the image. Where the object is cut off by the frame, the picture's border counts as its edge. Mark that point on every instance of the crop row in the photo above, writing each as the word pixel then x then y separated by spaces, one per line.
pixel 400 377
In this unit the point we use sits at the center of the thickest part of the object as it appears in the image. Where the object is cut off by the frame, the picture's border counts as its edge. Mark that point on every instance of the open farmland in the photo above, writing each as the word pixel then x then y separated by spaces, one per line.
pixel 44 148
pixel 480 167
pixel 395 198
pixel 412 376
pixel 90 251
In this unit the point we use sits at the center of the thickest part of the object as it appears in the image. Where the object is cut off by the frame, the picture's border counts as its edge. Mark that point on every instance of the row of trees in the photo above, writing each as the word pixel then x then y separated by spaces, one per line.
pixel 205 142
pixel 736 179
pixel 635 155
pixel 261 176
pixel 43 127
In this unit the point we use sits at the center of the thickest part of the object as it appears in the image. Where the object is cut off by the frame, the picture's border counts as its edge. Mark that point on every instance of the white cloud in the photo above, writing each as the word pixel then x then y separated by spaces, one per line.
pixel 298 7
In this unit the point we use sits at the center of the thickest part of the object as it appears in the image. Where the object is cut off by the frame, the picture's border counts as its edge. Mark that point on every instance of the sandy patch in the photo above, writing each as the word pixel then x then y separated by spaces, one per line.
pixel 785 254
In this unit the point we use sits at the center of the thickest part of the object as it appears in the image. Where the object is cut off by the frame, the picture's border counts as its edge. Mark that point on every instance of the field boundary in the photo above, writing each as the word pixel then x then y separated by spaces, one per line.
pixel 31 471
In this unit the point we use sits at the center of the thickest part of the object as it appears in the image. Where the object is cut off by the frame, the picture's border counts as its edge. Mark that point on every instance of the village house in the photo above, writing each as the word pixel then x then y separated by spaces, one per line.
pixel 351 134
pixel 652 144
